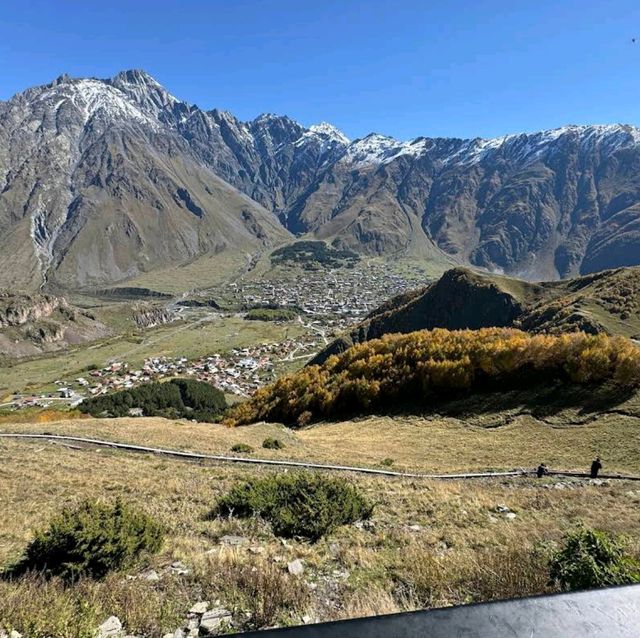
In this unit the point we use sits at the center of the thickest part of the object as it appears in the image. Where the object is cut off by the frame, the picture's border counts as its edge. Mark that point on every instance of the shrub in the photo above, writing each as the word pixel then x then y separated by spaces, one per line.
pixel 591 558
pixel 303 504
pixel 242 447
pixel 387 462
pixel 272 444
pixel 90 540
pixel 422 368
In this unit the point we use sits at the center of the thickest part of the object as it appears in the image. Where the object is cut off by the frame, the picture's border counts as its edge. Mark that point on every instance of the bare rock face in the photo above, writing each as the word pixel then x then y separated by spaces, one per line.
pixel 31 323
pixel 19 309
pixel 103 180
pixel 151 316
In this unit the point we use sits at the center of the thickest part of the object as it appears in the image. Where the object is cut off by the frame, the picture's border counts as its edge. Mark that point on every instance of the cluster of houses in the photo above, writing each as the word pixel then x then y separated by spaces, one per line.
pixel 349 293
pixel 240 371
pixel 330 301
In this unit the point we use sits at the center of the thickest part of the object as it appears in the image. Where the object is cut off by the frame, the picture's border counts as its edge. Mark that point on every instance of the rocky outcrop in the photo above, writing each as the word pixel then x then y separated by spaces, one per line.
pixel 19 309
pixel 149 317
pixel 34 323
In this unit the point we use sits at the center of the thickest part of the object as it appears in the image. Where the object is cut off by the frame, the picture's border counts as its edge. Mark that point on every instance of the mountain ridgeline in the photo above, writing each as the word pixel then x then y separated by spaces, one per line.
pixel 104 180
pixel 602 303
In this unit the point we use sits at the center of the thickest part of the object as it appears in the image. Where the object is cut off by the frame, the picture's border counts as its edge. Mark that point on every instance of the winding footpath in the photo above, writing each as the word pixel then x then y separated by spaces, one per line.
pixel 198 456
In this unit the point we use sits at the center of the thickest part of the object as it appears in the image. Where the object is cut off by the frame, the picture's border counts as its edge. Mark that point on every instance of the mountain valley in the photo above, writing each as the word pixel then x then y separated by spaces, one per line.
pixel 398 333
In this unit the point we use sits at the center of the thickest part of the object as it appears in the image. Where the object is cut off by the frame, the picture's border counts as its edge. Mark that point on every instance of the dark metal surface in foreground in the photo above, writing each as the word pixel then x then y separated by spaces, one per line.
pixel 603 613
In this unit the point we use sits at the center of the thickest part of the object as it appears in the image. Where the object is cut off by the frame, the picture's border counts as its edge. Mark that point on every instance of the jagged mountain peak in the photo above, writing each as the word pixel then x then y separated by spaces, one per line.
pixel 145 91
pixel 376 149
pixel 135 76
pixel 328 130
pixel 85 159
pixel 531 147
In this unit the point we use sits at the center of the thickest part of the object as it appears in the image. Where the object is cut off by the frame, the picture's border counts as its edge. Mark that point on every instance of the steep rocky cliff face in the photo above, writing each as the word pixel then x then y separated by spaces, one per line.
pixel 17 309
pixel 35 323
pixel 99 184
pixel 102 180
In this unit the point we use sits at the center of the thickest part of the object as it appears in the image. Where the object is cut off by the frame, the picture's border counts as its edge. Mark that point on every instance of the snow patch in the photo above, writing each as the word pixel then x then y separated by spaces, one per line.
pixel 530 147
pixel 381 149
pixel 328 130
pixel 94 97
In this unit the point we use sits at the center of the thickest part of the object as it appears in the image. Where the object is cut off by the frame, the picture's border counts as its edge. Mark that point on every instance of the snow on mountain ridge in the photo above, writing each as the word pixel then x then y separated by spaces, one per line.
pixel 92 97
pixel 137 96
pixel 330 131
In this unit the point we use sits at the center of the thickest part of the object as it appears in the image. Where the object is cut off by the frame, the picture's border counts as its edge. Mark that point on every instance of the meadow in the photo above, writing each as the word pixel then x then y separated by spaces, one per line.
pixel 428 543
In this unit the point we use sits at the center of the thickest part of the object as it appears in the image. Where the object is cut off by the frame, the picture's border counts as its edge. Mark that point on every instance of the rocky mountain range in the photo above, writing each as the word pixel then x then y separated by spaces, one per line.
pixel 102 180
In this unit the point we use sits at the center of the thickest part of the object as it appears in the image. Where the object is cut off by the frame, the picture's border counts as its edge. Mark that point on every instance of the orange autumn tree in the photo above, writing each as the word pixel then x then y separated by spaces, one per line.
pixel 421 367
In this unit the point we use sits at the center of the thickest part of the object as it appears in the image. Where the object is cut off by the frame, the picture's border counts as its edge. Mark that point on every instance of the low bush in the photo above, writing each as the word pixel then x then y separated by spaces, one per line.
pixel 272 444
pixel 303 504
pixel 422 368
pixel 242 447
pixel 90 540
pixel 591 558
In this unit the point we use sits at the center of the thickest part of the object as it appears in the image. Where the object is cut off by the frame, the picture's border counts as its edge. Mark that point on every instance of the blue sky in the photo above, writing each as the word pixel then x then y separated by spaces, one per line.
pixel 403 67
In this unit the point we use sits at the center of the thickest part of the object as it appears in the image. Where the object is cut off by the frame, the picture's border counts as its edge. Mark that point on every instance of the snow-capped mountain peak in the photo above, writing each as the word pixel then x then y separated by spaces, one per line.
pixel 328 130
pixel 377 149
pixel 145 91
pixel 529 147
pixel 93 98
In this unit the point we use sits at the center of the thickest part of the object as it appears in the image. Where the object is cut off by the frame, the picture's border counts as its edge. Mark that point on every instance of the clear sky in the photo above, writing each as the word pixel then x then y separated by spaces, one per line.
pixel 405 68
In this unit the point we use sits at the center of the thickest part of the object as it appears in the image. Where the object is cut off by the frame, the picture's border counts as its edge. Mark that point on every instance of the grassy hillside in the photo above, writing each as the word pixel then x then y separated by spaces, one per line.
pixel 512 429
pixel 417 371
pixel 428 543
pixel 606 302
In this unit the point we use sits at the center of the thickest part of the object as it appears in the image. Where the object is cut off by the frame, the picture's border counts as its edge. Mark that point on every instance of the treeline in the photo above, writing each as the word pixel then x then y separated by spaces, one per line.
pixel 314 252
pixel 420 368
pixel 271 314
pixel 177 398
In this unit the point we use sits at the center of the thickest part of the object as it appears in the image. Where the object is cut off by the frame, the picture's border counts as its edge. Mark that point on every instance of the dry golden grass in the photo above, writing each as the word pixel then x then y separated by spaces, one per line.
pixel 463 550
pixel 501 440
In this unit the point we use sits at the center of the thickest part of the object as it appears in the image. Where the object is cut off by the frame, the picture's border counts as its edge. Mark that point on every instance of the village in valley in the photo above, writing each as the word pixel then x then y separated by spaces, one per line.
pixel 326 302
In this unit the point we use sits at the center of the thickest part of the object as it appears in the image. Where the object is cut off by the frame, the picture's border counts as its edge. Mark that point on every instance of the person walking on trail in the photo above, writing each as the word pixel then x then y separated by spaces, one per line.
pixel 542 470
pixel 596 466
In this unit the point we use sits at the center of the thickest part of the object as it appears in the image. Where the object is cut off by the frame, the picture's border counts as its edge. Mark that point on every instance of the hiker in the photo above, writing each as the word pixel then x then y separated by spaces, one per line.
pixel 542 470
pixel 596 466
